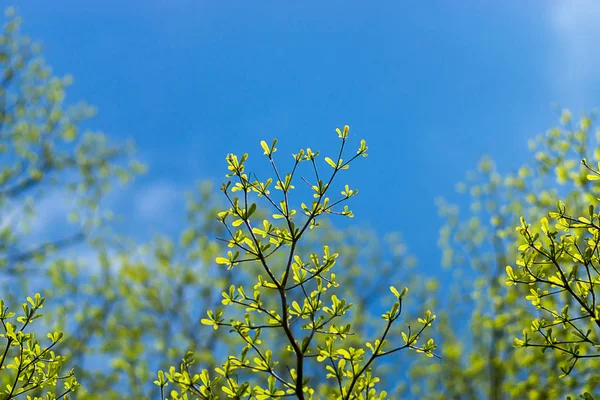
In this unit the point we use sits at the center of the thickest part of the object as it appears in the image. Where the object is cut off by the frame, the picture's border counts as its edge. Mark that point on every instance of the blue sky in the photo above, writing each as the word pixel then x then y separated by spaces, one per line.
pixel 431 87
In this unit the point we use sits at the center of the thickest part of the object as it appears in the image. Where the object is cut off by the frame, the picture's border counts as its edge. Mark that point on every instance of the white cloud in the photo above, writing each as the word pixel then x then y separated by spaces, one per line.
pixel 51 212
pixel 87 259
pixel 575 60
pixel 50 216
pixel 8 215
pixel 155 201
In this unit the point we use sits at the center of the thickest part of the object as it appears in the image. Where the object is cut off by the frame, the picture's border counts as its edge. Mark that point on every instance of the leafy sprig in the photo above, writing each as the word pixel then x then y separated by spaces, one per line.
pixel 291 298
pixel 25 364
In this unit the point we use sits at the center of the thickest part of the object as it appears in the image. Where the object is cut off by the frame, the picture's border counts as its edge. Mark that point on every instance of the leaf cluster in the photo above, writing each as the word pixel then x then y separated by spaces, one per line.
pixel 26 365
pixel 303 321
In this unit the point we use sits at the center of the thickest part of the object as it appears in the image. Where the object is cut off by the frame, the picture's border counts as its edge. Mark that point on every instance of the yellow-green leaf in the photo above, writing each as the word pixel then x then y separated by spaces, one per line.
pixel 265 147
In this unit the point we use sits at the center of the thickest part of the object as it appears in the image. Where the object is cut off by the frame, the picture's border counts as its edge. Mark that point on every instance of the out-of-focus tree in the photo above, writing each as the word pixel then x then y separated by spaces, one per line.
pixel 478 328
pixel 129 309
pixel 46 152
pixel 49 161
pixel 136 308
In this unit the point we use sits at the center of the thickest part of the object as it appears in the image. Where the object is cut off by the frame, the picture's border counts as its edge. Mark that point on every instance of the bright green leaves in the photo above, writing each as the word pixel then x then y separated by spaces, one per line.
pixel 320 189
pixel 428 348
pixel 343 133
pixel 512 278
pixel 310 155
pixel 272 391
pixel 481 241
pixel 267 230
pixel 554 266
pixel 214 319
pixel 556 281
pixel 428 320
pixel 338 307
pixel 262 187
pixel 27 363
pixel 199 386
pixel 350 366
pixel 161 381
pixel 248 239
pixel 299 156
pixel 290 298
pixel 410 339
pixel 362 150
pixel 315 269
pixel 269 150
pixel 286 184
pixel 235 166
pixel 399 295
pixel 331 163
pixel 595 173
pixel 230 261
pixel 336 165
pixel 285 213
pixel 349 192
pixel 237 222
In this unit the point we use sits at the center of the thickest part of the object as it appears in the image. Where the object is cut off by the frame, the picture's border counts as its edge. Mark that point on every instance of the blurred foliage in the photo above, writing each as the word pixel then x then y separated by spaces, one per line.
pixel 129 309
pixel 480 359
pixel 45 150
pixel 49 161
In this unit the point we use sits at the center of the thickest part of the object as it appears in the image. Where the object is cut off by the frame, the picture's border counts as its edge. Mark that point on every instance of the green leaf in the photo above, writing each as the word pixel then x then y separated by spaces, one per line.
pixel 399 295
pixel 251 210
pixel 511 276
pixel 237 222
pixel 187 237
pixel 330 162
pixel 556 280
pixel 222 260
pixel 265 147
